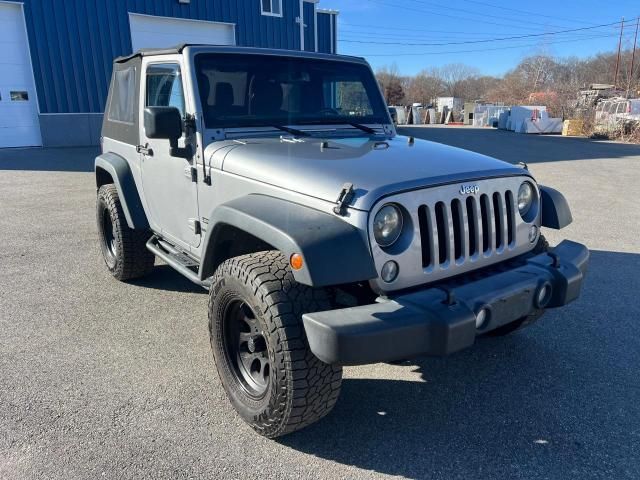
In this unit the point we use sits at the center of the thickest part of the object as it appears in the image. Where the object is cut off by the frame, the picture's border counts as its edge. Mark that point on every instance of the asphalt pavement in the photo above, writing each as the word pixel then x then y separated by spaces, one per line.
pixel 101 379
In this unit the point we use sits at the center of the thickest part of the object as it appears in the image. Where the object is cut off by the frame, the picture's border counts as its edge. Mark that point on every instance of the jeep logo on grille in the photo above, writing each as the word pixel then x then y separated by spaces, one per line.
pixel 469 189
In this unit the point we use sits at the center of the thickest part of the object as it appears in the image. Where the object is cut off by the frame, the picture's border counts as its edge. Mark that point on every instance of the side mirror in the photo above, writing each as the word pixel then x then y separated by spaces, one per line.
pixel 163 122
pixel 166 122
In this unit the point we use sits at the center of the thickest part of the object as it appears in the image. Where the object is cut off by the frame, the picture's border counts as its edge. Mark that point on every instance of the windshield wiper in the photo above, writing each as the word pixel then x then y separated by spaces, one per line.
pixel 364 128
pixel 292 131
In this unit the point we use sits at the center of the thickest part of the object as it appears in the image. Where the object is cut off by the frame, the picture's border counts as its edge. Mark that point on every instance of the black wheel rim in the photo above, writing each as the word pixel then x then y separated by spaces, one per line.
pixel 246 349
pixel 108 237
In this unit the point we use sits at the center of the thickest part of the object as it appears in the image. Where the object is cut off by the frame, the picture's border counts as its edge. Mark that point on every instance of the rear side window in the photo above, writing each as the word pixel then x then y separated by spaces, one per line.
pixel 122 96
pixel 164 87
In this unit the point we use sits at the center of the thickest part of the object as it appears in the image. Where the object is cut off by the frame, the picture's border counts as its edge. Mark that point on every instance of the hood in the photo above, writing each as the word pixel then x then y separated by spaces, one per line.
pixel 376 168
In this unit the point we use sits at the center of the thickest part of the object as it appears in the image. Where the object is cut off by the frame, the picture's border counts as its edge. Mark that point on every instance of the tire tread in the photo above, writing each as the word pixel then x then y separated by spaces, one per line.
pixel 135 260
pixel 309 388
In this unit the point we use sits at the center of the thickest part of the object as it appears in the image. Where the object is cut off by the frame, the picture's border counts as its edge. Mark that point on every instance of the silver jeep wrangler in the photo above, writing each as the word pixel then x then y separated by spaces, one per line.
pixel 276 181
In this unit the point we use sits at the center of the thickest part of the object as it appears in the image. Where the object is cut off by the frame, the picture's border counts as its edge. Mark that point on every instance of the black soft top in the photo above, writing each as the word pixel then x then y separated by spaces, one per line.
pixel 178 49
pixel 149 52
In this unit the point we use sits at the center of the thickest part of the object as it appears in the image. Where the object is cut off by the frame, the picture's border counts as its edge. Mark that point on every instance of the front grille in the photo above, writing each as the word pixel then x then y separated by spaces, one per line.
pixel 452 232
pixel 448 234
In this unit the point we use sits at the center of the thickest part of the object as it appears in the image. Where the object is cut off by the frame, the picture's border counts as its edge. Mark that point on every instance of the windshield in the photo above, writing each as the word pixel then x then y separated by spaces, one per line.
pixel 262 90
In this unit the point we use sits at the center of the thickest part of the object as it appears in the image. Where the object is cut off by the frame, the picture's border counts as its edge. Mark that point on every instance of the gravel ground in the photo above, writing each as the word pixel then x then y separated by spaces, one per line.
pixel 105 379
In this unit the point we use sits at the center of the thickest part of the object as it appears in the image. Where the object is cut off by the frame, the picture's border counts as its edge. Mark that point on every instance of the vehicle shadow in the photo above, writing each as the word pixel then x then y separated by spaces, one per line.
pixel 513 147
pixel 67 159
pixel 166 278
pixel 557 400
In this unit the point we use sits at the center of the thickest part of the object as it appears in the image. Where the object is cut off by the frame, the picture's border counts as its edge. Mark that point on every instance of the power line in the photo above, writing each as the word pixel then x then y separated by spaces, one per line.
pixel 525 12
pixel 458 17
pixel 355 35
pixel 375 28
pixel 398 54
pixel 466 42
pixel 484 14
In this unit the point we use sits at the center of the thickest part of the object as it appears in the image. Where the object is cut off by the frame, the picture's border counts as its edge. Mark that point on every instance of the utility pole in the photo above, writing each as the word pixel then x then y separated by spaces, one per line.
pixel 615 78
pixel 633 57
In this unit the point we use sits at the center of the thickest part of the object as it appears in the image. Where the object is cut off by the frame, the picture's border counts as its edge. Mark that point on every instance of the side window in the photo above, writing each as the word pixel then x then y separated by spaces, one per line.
pixel 164 87
pixel 122 96
pixel 271 7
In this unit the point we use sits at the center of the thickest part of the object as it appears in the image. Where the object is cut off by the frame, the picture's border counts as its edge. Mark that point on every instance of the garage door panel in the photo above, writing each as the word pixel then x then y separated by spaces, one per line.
pixel 10 54
pixel 161 32
pixel 14 75
pixel 9 28
pixel 19 137
pixel 14 115
pixel 19 119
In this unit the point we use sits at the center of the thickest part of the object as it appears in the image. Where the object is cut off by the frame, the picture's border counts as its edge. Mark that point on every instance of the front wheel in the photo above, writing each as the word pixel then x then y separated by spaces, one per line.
pixel 272 378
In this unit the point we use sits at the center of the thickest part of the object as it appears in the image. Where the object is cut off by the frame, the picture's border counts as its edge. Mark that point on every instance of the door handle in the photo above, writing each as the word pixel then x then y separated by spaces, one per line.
pixel 145 150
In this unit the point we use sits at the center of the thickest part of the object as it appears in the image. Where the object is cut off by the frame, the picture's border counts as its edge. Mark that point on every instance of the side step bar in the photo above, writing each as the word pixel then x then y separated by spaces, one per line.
pixel 176 260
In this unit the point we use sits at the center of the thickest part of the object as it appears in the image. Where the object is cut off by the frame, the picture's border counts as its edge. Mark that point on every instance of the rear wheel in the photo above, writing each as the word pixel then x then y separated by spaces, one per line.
pixel 123 249
pixel 272 378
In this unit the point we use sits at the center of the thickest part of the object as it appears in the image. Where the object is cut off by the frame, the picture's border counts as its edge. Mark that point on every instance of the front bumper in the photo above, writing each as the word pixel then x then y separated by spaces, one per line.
pixel 435 321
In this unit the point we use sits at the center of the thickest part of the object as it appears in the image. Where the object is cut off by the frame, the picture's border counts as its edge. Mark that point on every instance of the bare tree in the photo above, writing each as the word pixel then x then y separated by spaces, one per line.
pixel 424 88
pixel 391 84
pixel 541 78
pixel 537 71
pixel 453 77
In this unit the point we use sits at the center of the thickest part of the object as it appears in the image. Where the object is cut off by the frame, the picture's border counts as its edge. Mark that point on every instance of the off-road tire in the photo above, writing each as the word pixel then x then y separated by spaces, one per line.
pixel 123 249
pixel 541 247
pixel 300 389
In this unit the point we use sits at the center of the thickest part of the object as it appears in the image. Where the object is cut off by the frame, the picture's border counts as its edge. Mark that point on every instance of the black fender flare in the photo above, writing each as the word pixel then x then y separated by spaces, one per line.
pixel 556 213
pixel 120 171
pixel 334 252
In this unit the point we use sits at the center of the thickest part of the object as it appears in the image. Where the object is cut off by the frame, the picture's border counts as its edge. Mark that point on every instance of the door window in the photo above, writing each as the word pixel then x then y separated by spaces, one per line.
pixel 164 87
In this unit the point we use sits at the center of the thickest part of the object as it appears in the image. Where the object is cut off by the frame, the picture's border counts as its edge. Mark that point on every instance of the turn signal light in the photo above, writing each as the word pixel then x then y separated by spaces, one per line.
pixel 296 261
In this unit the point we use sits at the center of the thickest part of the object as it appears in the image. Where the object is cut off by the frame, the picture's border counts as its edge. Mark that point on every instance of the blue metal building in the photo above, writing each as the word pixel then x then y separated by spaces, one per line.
pixel 62 51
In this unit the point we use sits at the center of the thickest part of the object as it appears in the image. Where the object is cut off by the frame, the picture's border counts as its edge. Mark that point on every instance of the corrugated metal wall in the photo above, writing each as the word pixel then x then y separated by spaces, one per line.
pixel 73 42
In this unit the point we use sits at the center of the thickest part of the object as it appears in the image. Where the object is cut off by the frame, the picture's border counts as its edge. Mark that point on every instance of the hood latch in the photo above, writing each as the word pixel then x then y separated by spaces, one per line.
pixel 345 197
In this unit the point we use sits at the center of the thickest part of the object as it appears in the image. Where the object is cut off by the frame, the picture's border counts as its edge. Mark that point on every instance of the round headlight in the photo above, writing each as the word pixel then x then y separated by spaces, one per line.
pixel 387 225
pixel 526 196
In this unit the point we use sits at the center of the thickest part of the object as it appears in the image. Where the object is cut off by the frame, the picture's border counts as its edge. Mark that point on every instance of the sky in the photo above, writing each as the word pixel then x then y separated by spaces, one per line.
pixel 479 33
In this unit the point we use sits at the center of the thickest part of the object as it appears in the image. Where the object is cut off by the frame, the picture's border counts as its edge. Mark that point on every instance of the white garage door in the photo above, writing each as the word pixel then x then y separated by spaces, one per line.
pixel 19 125
pixel 160 32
